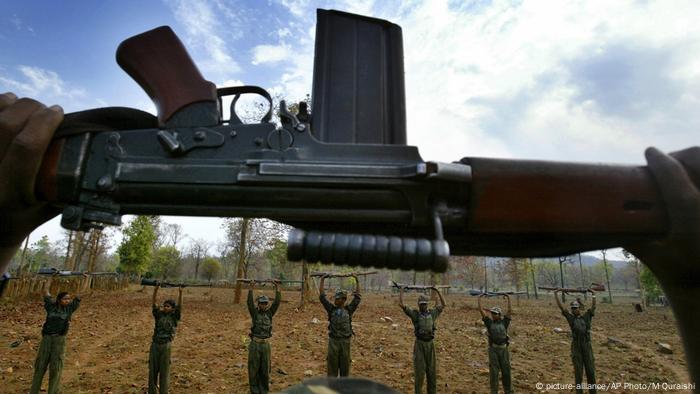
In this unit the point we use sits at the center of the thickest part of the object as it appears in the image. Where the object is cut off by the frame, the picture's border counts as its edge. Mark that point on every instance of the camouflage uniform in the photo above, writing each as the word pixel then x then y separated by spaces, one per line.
pixel 259 348
pixel 581 349
pixel 424 360
pixel 159 356
pixel 53 344
pixel 499 357
pixel 339 333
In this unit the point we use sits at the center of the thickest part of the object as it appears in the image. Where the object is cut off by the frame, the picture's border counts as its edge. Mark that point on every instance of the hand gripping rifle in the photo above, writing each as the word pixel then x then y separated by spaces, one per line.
pixel 342 175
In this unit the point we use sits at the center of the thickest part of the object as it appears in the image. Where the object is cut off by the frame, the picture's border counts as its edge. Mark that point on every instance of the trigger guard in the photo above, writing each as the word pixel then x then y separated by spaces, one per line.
pixel 237 91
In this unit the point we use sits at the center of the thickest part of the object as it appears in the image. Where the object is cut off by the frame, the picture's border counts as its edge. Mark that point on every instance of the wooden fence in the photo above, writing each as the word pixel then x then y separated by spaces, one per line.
pixel 32 285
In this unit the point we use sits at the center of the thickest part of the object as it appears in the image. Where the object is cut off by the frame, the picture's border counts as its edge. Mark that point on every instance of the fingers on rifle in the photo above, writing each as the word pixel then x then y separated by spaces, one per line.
pixel 14 117
pixel 690 158
pixel 27 148
pixel 7 99
pixel 677 190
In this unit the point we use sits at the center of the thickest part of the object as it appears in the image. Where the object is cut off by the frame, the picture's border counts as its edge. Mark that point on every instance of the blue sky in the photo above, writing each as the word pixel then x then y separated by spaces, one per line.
pixel 582 81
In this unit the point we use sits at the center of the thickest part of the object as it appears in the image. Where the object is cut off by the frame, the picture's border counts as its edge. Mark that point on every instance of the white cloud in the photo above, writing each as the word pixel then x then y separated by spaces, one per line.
pixel 503 72
pixel 202 26
pixel 263 54
pixel 44 85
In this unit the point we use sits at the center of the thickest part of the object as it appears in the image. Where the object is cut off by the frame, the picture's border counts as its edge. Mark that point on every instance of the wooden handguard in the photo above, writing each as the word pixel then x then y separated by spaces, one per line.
pixel 159 63
pixel 519 196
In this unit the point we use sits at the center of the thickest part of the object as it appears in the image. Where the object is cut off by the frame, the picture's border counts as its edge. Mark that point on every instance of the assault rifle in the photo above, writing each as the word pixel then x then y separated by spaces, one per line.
pixel 477 293
pixel 154 282
pixel 344 275
pixel 417 287
pixel 259 281
pixel 342 174
pixel 592 287
pixel 56 271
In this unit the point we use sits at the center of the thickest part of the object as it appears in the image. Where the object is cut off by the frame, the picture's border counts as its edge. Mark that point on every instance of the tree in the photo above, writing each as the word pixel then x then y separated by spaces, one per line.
pixel 637 266
pixel 136 249
pixel 276 254
pixel 650 283
pixel 166 262
pixel 198 250
pixel 211 268
pixel 248 240
pixel 41 254
pixel 608 274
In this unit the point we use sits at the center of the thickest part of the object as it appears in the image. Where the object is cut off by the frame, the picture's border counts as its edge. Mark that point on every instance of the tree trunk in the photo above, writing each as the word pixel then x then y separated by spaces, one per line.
pixel 583 280
pixel 305 291
pixel 24 253
pixel 68 250
pixel 638 270
pixel 534 282
pixel 94 249
pixel 240 271
pixel 196 265
pixel 607 276
pixel 561 272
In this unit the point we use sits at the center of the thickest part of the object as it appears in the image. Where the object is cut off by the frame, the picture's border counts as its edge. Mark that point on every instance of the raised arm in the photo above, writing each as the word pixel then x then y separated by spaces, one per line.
pixel 179 296
pixel 155 295
pixel 278 298
pixel 481 309
pixel 357 284
pixel 401 297
pixel 47 286
pixel 249 301
pixel 439 293
pixel 556 297
pixel 322 284
pixel 593 300
pixel 510 309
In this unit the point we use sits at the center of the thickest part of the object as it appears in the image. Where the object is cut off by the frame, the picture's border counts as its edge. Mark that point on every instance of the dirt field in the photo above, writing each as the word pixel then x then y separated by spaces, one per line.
pixel 107 350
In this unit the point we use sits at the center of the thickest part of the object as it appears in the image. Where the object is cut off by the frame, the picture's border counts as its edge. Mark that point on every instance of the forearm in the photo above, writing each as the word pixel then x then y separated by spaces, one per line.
pixel 155 295
pixel 401 298
pixel 442 300
pixel 556 298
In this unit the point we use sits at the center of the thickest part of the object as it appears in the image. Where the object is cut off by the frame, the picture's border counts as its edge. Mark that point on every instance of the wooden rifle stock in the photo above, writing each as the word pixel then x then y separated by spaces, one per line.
pixel 527 208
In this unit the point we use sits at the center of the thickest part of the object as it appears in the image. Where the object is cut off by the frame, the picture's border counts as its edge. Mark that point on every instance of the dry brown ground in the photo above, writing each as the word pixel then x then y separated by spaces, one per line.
pixel 108 343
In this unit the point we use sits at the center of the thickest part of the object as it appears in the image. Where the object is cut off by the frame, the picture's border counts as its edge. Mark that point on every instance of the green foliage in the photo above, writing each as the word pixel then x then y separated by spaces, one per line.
pixel 651 285
pixel 276 254
pixel 135 251
pixel 41 254
pixel 211 268
pixel 598 272
pixel 166 262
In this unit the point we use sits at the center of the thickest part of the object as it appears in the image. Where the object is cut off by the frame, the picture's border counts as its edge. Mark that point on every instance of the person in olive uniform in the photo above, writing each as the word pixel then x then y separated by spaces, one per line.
pixel 499 357
pixel 581 349
pixel 423 319
pixel 259 348
pixel 339 328
pixel 166 319
pixel 53 339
